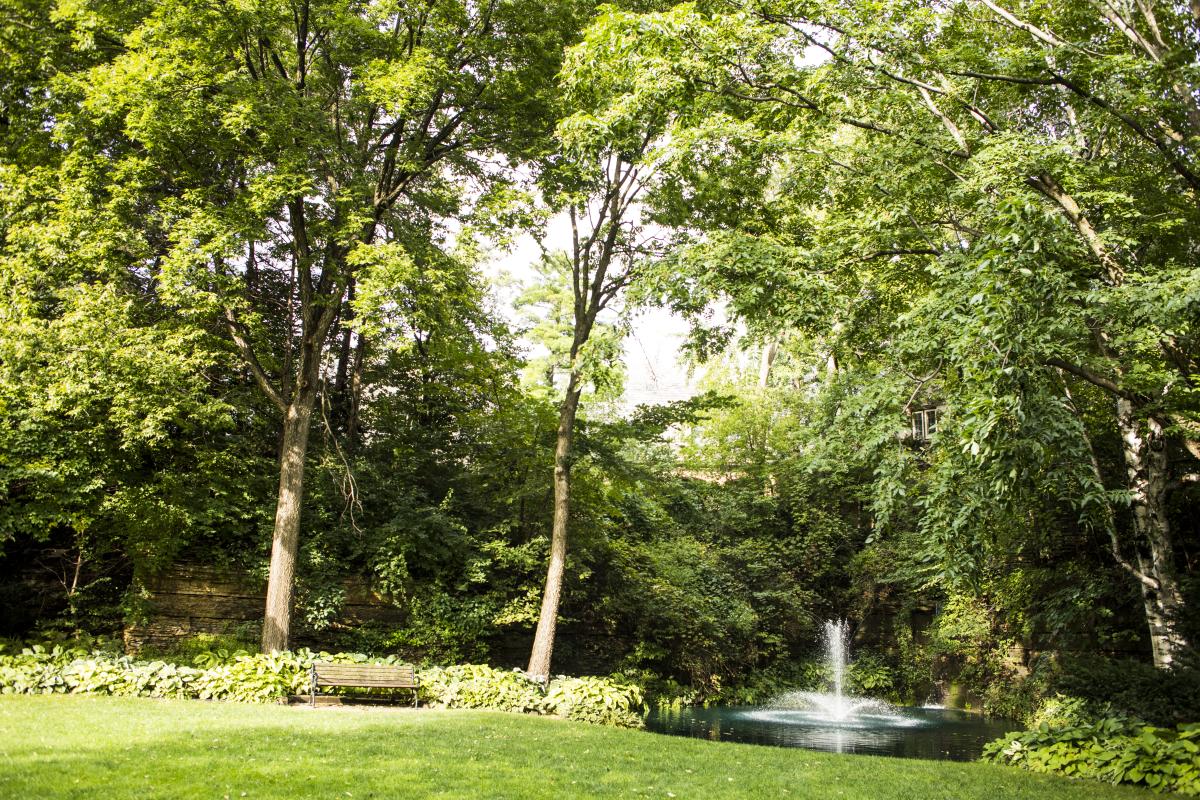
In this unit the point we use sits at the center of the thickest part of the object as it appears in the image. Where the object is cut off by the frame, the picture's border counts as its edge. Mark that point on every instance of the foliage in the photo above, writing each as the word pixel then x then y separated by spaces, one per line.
pixel 870 674
pixel 1132 688
pixel 202 650
pixel 602 701
pixel 259 678
pixel 598 700
pixel 38 670
pixel 947 210
pixel 763 685
pixel 981 232
pixel 1112 749
pixel 1062 711
pixel 253 679
pixel 445 628
pixel 479 686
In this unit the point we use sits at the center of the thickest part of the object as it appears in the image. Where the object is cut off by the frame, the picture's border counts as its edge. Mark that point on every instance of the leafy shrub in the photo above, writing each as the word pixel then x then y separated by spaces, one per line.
pixel 443 627
pixel 786 676
pixel 1113 749
pixel 212 658
pixel 41 670
pixel 202 649
pixel 270 678
pixel 255 679
pixel 598 700
pixel 660 691
pixel 480 686
pixel 1063 711
pixel 870 675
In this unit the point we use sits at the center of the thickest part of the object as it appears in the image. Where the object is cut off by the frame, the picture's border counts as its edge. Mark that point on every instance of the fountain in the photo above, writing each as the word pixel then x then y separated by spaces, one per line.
pixel 837 721
pixel 835 659
pixel 834 708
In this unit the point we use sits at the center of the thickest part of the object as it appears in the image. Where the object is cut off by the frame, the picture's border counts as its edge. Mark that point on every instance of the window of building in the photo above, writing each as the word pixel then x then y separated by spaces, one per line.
pixel 924 424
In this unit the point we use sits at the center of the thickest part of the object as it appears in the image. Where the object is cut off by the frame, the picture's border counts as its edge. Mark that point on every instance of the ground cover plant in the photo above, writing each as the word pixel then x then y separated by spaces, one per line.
pixel 272 678
pixel 63 746
pixel 1079 739
pixel 1112 750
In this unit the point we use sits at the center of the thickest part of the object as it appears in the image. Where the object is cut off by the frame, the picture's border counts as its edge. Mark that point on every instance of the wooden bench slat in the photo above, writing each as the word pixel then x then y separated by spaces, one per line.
pixel 391 676
pixel 363 676
pixel 371 684
pixel 353 665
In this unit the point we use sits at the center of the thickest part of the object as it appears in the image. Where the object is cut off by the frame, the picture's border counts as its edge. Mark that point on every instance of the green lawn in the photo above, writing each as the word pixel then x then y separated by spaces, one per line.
pixel 100 747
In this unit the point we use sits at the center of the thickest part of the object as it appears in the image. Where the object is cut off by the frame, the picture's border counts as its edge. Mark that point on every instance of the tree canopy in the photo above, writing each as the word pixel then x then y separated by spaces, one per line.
pixel 939 262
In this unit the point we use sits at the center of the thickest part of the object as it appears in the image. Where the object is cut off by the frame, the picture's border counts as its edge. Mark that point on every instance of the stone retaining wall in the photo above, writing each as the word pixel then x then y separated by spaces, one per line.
pixel 189 599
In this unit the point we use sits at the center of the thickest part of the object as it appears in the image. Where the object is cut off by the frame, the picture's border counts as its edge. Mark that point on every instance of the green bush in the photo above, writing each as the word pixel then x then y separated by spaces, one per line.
pixel 271 678
pixel 598 700
pixel 255 679
pixel 870 675
pixel 1063 711
pixel 203 649
pixel 479 686
pixel 1113 749
pixel 658 690
pixel 766 684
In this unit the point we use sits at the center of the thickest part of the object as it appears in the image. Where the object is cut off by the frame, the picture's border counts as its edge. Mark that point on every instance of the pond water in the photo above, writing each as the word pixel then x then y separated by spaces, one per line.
pixel 933 733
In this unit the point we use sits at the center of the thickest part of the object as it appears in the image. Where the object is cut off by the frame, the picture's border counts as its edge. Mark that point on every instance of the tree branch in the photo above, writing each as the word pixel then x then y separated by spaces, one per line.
pixel 1107 384
pixel 237 332
pixel 1047 186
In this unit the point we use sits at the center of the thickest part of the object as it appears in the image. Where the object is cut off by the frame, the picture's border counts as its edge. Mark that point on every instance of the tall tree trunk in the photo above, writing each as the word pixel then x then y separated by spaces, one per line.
pixel 543 640
pixel 286 538
pixel 1144 448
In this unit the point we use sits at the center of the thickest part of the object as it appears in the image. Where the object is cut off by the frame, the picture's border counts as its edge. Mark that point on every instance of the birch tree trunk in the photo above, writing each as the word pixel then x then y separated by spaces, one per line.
pixel 1144 449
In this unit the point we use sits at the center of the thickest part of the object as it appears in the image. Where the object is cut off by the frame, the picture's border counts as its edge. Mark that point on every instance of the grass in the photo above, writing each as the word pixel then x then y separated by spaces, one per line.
pixel 73 746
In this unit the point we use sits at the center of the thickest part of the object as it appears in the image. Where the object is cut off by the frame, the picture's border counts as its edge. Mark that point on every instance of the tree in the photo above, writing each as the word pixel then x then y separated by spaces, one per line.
pixel 118 446
pixel 278 155
pixel 603 255
pixel 1005 221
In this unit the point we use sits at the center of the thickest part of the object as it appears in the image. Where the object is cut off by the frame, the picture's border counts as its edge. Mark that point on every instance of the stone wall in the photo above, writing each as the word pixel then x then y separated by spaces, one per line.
pixel 189 599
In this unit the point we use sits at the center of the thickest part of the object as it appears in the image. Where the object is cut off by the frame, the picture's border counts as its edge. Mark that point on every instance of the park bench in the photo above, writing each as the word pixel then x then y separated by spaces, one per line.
pixel 374 676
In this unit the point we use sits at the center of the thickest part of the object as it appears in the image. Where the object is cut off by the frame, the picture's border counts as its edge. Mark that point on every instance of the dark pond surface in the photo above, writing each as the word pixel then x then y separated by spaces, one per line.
pixel 904 732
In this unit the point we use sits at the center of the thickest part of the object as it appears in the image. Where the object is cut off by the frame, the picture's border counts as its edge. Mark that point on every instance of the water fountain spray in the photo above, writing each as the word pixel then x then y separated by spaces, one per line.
pixel 835 657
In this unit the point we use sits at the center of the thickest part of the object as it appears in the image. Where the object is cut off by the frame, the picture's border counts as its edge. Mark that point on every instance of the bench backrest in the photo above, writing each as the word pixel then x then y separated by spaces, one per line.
pixel 375 675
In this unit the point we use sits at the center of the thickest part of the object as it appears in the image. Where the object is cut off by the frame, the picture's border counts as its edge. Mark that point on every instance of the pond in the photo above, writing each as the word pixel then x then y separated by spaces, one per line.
pixel 933 733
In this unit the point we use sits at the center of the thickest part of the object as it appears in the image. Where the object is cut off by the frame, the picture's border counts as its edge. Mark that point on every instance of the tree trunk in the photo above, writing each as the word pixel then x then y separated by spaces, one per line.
pixel 1144 447
pixel 286 538
pixel 543 640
